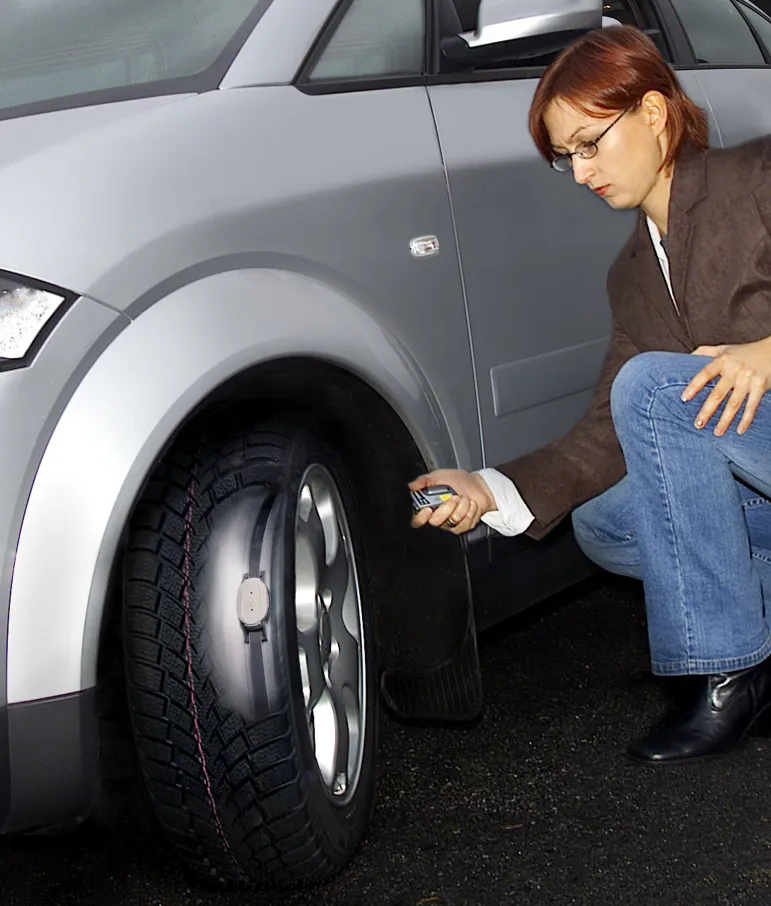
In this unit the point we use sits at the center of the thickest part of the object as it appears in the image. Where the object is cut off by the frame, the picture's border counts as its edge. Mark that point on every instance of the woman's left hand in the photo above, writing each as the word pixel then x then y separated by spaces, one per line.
pixel 744 372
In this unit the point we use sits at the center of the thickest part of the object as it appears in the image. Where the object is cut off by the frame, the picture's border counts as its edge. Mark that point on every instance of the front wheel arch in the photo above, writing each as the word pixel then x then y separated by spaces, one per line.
pixel 380 456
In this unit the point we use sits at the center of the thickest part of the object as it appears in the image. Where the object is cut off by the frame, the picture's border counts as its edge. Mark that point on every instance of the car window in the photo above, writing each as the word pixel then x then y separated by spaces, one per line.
pixel 375 38
pixel 718 32
pixel 761 24
pixel 51 50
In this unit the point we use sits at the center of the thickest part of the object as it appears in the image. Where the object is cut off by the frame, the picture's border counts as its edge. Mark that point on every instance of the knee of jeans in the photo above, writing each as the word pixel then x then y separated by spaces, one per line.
pixel 636 380
pixel 592 536
pixel 587 540
pixel 584 519
pixel 594 548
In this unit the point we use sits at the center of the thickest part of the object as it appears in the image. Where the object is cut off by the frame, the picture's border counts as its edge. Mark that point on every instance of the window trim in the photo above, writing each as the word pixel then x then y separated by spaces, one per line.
pixel 302 80
pixel 695 65
pixel 206 80
pixel 766 51
pixel 505 74
pixel 349 86
pixel 432 35
pixel 683 56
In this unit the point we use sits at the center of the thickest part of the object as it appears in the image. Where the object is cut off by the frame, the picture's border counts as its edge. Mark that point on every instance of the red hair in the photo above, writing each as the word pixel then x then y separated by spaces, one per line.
pixel 609 70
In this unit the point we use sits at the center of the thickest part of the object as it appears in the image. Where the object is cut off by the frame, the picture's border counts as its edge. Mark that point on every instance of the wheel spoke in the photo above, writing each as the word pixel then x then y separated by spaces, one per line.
pixel 326 736
pixel 343 749
pixel 345 669
pixel 334 581
pixel 311 558
pixel 314 669
pixel 312 527
pixel 346 665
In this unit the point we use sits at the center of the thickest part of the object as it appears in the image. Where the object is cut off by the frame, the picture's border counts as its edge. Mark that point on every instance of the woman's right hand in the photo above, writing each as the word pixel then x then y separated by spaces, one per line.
pixel 462 513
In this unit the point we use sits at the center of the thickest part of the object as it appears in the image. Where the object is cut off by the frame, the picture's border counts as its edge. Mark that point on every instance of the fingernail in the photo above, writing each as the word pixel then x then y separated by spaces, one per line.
pixel 684 397
pixel 699 423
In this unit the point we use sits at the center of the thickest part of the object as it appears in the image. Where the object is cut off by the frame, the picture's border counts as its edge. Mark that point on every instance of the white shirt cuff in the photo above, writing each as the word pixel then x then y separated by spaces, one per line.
pixel 513 515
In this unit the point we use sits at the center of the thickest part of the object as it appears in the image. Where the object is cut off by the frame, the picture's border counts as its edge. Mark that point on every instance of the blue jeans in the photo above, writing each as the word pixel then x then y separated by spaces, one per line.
pixel 683 522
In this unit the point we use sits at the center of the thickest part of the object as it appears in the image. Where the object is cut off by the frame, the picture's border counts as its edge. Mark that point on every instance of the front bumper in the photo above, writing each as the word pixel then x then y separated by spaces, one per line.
pixel 48 763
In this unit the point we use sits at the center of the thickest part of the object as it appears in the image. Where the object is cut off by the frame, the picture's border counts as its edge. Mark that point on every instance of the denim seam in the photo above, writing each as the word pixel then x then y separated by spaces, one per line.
pixel 754 502
pixel 675 545
pixel 714 665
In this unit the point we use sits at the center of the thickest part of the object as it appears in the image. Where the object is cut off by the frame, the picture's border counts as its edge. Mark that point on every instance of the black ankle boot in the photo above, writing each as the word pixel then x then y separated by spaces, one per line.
pixel 726 706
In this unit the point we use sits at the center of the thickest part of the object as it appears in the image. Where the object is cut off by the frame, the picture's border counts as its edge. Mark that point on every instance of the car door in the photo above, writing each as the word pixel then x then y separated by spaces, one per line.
pixel 731 44
pixel 535 250
pixel 362 123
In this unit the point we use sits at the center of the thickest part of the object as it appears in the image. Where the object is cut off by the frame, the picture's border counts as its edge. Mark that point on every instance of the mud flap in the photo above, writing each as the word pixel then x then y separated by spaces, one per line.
pixel 451 692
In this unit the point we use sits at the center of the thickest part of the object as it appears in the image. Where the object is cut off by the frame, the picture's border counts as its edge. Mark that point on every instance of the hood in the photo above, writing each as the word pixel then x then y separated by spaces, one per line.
pixel 29 136
pixel 39 155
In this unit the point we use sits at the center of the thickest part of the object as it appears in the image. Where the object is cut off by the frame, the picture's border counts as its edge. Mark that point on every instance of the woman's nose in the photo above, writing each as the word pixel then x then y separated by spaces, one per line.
pixel 583 170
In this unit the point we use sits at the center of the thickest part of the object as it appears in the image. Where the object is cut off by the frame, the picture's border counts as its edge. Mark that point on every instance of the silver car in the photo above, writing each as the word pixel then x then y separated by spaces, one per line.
pixel 262 262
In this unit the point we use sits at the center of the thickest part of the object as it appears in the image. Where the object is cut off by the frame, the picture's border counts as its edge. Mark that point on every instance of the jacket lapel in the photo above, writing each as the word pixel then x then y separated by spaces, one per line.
pixel 650 287
pixel 689 187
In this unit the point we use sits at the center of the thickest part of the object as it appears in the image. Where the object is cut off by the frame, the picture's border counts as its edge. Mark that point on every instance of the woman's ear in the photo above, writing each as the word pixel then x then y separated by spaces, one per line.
pixel 656 111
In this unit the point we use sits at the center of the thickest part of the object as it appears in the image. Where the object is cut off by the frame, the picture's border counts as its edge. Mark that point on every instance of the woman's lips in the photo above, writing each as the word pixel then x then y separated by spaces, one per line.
pixel 601 190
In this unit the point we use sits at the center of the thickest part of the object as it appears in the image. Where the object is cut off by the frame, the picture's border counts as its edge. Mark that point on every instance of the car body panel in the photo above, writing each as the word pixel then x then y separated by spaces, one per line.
pixel 740 100
pixel 31 402
pixel 32 138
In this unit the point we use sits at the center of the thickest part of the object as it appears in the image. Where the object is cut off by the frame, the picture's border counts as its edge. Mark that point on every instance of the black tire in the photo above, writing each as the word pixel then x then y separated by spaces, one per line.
pixel 222 734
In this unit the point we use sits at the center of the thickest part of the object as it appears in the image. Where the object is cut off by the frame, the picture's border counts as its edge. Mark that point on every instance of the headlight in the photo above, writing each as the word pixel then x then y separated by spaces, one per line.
pixel 25 311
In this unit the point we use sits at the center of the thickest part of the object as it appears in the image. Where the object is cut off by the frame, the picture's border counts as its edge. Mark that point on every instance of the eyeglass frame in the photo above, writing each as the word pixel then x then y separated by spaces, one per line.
pixel 580 152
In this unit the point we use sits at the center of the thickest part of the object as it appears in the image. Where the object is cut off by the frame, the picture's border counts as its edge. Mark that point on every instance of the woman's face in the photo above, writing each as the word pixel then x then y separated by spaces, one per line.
pixel 625 169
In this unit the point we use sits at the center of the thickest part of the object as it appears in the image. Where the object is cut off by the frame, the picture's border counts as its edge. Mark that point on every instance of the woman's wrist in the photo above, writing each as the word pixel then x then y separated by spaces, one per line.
pixel 490 502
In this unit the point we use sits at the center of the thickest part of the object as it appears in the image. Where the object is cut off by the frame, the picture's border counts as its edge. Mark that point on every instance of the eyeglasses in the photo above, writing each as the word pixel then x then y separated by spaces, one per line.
pixel 586 150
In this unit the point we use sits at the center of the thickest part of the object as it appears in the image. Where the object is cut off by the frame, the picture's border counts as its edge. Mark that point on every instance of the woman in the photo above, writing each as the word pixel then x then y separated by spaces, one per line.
pixel 664 473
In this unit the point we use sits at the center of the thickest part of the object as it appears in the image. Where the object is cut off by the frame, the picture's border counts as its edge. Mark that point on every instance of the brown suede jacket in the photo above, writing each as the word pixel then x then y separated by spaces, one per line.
pixel 719 249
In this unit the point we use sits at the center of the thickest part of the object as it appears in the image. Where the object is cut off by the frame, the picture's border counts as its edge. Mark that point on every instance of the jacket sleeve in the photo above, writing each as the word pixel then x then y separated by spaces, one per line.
pixel 761 188
pixel 585 462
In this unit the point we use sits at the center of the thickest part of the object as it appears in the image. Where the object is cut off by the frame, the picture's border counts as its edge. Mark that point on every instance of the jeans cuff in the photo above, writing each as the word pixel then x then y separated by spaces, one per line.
pixel 699 666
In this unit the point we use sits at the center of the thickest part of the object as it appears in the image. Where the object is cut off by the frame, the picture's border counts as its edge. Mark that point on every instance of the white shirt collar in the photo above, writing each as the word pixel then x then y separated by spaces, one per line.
pixel 654 231
pixel 661 254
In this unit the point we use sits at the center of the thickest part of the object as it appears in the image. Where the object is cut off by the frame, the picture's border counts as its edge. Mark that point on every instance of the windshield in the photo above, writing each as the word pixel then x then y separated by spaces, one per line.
pixel 51 50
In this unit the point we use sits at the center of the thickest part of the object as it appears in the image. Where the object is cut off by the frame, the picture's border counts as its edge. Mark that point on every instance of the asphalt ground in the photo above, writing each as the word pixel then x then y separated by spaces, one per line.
pixel 536 804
